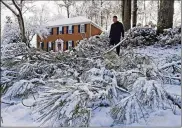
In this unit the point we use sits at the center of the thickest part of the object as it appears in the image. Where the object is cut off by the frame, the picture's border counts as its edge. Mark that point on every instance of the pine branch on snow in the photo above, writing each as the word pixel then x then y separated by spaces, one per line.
pixel 147 96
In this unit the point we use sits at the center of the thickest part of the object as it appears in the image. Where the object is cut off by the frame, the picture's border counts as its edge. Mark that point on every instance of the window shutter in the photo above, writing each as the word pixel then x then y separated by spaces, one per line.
pixel 47 46
pixel 63 30
pixel 78 28
pixel 73 44
pixel 85 28
pixel 73 29
pixel 52 31
pixel 57 30
pixel 52 46
pixel 66 45
pixel 67 29
pixel 42 45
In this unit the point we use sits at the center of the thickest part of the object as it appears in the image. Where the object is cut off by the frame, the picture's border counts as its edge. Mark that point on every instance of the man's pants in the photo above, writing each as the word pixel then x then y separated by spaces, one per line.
pixel 113 42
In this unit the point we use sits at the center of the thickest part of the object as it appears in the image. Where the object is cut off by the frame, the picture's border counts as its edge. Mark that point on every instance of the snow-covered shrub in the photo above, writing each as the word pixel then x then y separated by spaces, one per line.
pixel 13 50
pixel 171 36
pixel 10 33
pixel 140 36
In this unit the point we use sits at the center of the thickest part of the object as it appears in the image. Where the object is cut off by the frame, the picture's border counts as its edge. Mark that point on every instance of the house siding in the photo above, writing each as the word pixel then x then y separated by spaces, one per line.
pixel 66 37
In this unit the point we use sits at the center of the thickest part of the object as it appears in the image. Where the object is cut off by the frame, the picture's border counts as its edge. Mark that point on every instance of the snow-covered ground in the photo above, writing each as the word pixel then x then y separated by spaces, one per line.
pixel 19 115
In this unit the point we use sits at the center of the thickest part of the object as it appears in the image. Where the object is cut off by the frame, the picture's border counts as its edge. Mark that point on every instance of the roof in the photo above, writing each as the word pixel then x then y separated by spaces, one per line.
pixel 71 21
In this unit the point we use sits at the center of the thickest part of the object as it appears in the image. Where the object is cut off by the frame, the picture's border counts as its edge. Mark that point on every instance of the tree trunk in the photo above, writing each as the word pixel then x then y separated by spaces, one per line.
pixel 22 29
pixel 134 13
pixel 158 3
pixel 122 6
pixel 68 13
pixel 144 8
pixel 107 15
pixel 101 15
pixel 127 15
pixel 165 15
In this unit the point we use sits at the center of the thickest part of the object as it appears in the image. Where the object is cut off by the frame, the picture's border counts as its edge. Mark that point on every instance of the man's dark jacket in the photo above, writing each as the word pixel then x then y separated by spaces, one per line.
pixel 115 33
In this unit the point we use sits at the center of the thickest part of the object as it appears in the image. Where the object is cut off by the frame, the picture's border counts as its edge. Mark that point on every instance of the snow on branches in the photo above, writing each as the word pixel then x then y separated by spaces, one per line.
pixel 70 85
pixel 144 36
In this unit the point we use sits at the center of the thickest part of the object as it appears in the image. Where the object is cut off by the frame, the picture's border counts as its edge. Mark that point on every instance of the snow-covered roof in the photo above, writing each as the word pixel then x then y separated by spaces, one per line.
pixel 71 21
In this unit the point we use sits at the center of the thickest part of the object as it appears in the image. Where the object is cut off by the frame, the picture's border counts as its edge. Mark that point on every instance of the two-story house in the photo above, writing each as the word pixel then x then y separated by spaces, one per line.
pixel 66 33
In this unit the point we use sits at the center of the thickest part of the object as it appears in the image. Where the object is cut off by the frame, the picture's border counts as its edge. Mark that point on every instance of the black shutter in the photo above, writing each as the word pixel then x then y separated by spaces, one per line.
pixel 47 46
pixel 57 30
pixel 52 46
pixel 52 31
pixel 62 29
pixel 42 45
pixel 78 28
pixel 73 29
pixel 73 44
pixel 85 28
pixel 67 30
pixel 66 45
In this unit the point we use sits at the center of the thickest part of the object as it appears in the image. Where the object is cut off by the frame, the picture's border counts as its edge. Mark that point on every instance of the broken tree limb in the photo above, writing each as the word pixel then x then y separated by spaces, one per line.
pixel 115 46
pixel 174 101
pixel 169 64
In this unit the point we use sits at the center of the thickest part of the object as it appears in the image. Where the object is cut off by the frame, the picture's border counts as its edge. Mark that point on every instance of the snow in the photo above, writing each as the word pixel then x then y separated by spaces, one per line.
pixel 19 115
pixel 101 118
pixel 71 21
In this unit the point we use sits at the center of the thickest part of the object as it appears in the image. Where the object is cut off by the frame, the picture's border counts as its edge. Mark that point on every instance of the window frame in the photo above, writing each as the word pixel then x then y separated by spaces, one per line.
pixel 82 26
pixel 70 42
pixel 60 32
pixel 70 31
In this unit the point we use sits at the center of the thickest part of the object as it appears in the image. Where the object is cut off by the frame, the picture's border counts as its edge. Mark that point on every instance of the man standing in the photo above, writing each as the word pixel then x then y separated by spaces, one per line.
pixel 115 33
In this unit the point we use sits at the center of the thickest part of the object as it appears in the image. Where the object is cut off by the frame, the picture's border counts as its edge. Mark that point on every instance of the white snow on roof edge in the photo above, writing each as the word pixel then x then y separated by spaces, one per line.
pixel 72 21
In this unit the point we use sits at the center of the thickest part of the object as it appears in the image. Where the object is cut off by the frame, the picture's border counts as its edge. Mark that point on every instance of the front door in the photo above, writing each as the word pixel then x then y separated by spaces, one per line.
pixel 59 46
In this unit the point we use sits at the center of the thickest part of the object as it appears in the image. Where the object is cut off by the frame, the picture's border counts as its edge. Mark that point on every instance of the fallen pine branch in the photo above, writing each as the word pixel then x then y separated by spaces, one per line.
pixel 169 65
pixel 174 101
pixel 115 46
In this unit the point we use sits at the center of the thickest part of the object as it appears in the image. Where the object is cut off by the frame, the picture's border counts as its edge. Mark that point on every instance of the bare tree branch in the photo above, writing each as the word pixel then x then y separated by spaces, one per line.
pixel 14 12
pixel 18 8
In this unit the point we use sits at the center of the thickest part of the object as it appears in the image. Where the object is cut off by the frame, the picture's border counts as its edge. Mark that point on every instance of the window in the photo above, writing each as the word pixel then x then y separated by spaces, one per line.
pixel 50 31
pixel 60 30
pixel 49 44
pixel 41 45
pixel 82 28
pixel 70 29
pixel 69 43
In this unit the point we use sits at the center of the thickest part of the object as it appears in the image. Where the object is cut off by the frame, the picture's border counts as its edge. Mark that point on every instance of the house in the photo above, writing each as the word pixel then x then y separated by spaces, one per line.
pixel 66 33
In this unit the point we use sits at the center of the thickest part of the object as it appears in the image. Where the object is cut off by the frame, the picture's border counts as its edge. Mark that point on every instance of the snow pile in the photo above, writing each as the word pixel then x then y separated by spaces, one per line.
pixel 69 87
pixel 171 36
